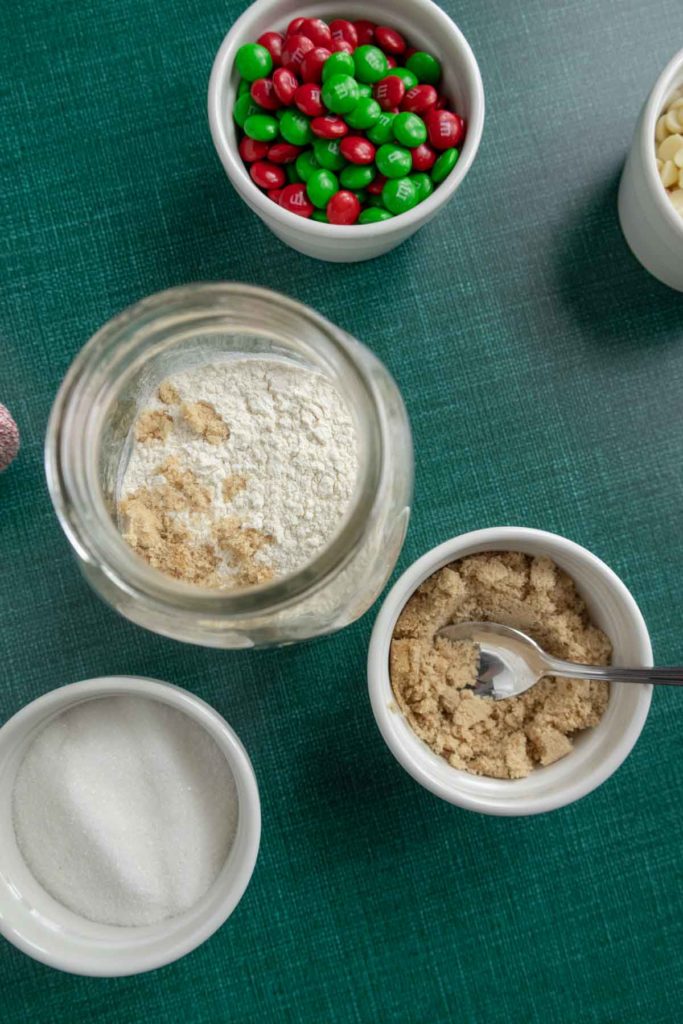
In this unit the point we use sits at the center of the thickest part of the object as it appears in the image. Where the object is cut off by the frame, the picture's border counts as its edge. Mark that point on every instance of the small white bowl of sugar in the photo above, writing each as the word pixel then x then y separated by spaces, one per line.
pixel 129 825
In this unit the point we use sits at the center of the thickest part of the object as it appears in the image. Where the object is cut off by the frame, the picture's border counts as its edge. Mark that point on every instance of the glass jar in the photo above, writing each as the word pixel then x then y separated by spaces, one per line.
pixel 88 442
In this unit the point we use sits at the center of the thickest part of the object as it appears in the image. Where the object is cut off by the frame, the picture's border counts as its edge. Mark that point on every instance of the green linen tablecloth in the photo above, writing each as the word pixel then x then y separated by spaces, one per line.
pixel 542 369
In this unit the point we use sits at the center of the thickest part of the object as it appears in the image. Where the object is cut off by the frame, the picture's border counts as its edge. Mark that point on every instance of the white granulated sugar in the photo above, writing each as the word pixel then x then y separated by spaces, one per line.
pixel 292 438
pixel 125 810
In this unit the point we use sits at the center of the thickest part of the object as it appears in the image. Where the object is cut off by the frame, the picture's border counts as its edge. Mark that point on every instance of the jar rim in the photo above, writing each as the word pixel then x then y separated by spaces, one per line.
pixel 71 458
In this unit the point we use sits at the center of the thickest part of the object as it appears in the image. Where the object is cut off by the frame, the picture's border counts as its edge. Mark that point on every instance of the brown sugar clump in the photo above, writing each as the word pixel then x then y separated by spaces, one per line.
pixel 168 393
pixel 153 425
pixel 232 485
pixel 203 420
pixel 241 544
pixel 431 675
pixel 152 528
pixel 184 490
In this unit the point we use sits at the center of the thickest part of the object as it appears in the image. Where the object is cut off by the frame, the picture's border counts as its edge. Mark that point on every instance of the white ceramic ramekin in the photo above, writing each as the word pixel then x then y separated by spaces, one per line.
pixel 425 25
pixel 651 225
pixel 597 752
pixel 44 929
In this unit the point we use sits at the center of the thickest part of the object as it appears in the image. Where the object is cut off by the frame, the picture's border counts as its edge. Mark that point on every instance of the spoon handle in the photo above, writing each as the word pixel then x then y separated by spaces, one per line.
pixel 669 676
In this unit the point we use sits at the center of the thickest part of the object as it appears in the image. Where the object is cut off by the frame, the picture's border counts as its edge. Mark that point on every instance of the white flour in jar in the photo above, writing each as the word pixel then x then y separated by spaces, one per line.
pixel 240 472
pixel 125 810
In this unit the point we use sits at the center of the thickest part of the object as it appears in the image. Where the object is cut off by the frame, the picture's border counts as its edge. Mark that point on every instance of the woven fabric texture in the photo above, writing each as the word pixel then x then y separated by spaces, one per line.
pixel 542 369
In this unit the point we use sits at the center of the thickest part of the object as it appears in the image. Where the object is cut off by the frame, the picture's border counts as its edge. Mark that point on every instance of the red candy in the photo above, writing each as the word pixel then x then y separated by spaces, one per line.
pixel 317 30
pixel 329 127
pixel 308 100
pixel 295 199
pixel 420 99
pixel 376 186
pixel 285 84
pixel 263 92
pixel 441 103
pixel 343 208
pixel 345 31
pixel 357 149
pixel 294 51
pixel 424 157
pixel 340 45
pixel 275 194
pixel 251 150
pixel 392 62
pixel 389 92
pixel 365 31
pixel 273 42
pixel 267 175
pixel 294 26
pixel 312 64
pixel 389 40
pixel 445 129
pixel 282 152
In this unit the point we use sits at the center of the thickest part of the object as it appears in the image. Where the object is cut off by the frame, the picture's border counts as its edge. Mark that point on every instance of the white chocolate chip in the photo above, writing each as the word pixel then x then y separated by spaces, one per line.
pixel 669 174
pixel 662 129
pixel 673 121
pixel 669 147
pixel 680 179
pixel 678 157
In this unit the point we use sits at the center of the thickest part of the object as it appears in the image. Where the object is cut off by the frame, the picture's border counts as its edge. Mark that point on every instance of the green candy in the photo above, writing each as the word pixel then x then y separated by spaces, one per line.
pixel 340 94
pixel 365 114
pixel 320 216
pixel 293 176
pixel 425 67
pixel 371 64
pixel 407 77
pixel 328 154
pixel 373 215
pixel 424 185
pixel 306 165
pixel 364 91
pixel 244 108
pixel 410 130
pixel 253 61
pixel 361 195
pixel 296 128
pixel 377 201
pixel 382 131
pixel 262 127
pixel 399 195
pixel 444 165
pixel 338 64
pixel 393 161
pixel 321 186
pixel 243 88
pixel 356 176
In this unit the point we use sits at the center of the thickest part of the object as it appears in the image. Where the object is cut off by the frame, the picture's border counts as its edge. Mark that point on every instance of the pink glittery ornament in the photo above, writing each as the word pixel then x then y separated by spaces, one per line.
pixel 9 438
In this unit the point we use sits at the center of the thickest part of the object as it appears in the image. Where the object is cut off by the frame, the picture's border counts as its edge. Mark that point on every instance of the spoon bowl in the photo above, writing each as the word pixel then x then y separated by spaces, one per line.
pixel 510 662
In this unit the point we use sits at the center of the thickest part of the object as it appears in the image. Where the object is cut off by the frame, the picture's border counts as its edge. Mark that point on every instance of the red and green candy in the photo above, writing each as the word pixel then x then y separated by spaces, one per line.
pixel 344 123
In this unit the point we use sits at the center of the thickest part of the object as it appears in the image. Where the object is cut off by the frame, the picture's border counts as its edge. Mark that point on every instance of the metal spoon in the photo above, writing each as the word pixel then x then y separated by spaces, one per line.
pixel 510 662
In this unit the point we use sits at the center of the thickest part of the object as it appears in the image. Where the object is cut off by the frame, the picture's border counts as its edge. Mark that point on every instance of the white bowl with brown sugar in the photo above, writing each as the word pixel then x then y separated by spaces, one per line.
pixel 532 753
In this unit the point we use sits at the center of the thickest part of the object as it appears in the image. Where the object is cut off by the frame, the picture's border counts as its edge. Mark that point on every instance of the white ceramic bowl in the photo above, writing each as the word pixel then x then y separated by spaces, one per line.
pixel 44 929
pixel 425 25
pixel 651 225
pixel 597 752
